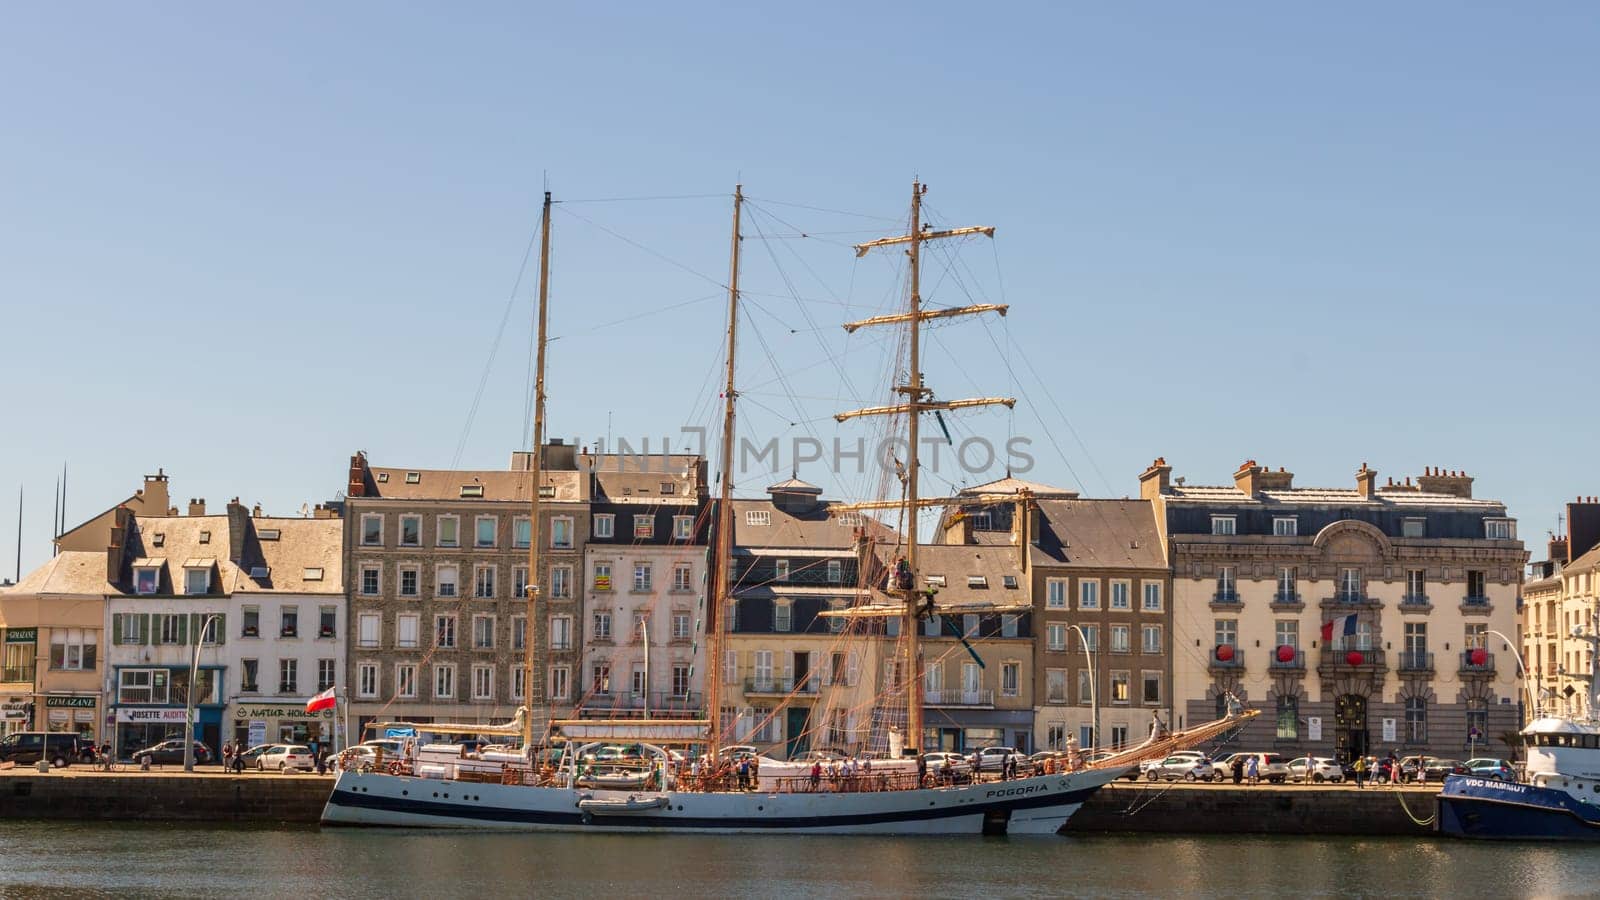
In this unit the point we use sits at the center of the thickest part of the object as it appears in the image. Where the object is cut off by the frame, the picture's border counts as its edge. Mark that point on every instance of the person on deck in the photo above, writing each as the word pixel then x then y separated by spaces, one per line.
pixel 816 774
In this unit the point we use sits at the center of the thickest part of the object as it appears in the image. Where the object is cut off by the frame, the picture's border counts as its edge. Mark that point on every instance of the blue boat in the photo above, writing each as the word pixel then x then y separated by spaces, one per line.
pixel 1559 802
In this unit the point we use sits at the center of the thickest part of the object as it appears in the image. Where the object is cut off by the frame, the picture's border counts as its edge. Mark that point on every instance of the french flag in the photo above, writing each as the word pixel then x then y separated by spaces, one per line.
pixel 1345 625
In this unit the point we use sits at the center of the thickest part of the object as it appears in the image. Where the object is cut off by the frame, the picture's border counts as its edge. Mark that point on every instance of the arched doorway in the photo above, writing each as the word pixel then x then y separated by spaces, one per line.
pixel 1350 726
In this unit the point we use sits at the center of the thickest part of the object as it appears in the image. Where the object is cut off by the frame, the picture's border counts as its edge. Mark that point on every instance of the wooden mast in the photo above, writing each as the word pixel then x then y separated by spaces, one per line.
pixel 916 402
pixel 721 569
pixel 534 466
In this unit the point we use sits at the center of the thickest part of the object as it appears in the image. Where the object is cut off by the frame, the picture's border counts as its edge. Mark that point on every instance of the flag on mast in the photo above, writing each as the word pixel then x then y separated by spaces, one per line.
pixel 324 700
pixel 1344 625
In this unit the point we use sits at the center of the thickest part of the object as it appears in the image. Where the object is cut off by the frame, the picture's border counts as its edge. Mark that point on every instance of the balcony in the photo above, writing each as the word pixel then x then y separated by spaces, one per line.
pixel 780 686
pixel 1415 603
pixel 1416 661
pixel 1476 606
pixel 662 705
pixel 1287 601
pixel 287 687
pixel 1296 663
pixel 1468 667
pixel 958 698
pixel 1339 660
pixel 1234 662
pixel 1225 598
pixel 1350 600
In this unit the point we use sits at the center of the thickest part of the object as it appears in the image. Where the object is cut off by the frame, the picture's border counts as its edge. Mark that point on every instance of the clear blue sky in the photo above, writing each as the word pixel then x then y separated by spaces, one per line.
pixel 241 243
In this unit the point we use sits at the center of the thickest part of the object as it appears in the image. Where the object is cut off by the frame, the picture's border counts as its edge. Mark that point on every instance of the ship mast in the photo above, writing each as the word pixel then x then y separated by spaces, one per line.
pixel 917 401
pixel 721 569
pixel 534 465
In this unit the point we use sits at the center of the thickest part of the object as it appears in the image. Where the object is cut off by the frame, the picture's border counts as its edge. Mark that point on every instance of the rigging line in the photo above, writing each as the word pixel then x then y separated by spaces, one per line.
pixel 1110 491
pixel 841 212
pixel 641 315
pixel 635 244
pixel 722 196
pixel 494 348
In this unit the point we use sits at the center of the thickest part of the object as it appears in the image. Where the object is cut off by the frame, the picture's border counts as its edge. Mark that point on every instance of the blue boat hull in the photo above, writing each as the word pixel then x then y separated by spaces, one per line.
pixel 1483 808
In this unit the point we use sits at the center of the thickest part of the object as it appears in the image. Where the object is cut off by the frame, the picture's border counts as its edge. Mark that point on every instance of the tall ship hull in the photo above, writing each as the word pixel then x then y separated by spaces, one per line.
pixel 1494 810
pixel 1036 805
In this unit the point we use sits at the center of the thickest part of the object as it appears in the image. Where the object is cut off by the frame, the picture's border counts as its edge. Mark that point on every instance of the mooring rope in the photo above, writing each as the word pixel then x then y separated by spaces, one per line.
pixel 1399 794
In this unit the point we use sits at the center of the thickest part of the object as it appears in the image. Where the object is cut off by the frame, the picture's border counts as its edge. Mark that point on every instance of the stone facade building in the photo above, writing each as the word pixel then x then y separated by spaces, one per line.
pixel 1419 583
pixel 1561 594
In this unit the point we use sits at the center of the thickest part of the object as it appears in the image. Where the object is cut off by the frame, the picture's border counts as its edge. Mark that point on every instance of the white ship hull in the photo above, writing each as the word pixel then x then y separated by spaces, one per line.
pixel 1037 805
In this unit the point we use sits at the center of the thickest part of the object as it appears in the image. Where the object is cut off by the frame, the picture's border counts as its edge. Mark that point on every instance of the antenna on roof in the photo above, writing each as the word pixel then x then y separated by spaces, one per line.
pixel 19 534
pixel 305 510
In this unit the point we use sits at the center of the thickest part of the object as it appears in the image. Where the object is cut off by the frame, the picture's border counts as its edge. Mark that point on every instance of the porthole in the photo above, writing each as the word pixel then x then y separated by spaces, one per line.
pixel 405 793
pixel 760 808
pixel 436 793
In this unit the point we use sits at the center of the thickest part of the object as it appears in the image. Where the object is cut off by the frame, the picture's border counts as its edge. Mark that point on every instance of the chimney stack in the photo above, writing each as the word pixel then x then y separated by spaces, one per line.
pixel 1281 480
pixel 1435 480
pixel 238 526
pixel 1245 478
pixel 1366 482
pixel 155 493
pixel 197 507
pixel 255 511
pixel 1155 480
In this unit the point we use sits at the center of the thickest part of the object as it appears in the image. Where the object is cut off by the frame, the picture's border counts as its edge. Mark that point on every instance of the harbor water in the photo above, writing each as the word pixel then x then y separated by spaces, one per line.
pixel 151 860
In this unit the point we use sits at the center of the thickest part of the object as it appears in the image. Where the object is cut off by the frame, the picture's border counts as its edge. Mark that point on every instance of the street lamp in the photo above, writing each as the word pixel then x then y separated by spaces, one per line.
pixel 1094 684
pixel 194 687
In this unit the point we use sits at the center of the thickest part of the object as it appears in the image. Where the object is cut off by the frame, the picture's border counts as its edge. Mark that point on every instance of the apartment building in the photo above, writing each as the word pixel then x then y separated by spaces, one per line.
pixel 1418 582
pixel 1562 593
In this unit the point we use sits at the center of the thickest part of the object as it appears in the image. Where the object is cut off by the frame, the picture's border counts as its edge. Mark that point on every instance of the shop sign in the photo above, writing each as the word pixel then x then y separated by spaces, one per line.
pixel 72 702
pixel 258 732
pixel 22 635
pixel 13 715
pixel 151 715
pixel 280 712
pixel 60 715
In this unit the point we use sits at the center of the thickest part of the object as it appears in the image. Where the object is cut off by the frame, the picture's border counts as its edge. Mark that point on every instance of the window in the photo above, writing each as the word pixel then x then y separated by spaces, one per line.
pixel 1224 525
pixel 444 682
pixel 683 577
pixel 561 533
pixel 1416 642
pixel 325 674
pixel 521 532
pixel 483 632
pixel 146 580
pixel 205 537
pixel 1288 718
pixel 1285 526
pixel 1120 591
pixel 1055 637
pixel 367 626
pixel 1090 639
pixel 74 649
pixel 410 581
pixel 1499 530
pixel 1152 596
pixel 327 622
pixel 405 680
pixel 1349 584
pixel 640 623
pixel 127 633
pixel 680 626
pixel 407 627
pixel 835 571
pixel 641 576
pixel 600 678
pixel 1088 595
pixel 782 616
pixel 371 581
pixel 969 625
pixel 519 633
pixel 288 676
pixel 1119 686
pixel 1055 593
pixel 1227 632
pixel 449 528
pixel 483 534
pixel 1478 724
pixel 644 528
pixel 1477 636
pixel 1010 678
pixel 366 680
pixel 561 582
pixel 445 579
pixel 471 490
pixel 372 530
pixel 680 680
pixel 196 581
pixel 289 622
pixel 1150 682
pixel 605 525
pixel 602 626
pixel 311 573
pixel 444 632
pixel 519 579
pixel 1055 685
pixel 483 582
pixel 933 626
pixel 758 517
pixel 1416 585
pixel 1476 584
pixel 1416 720
pixel 1008 625
pixel 251 626
pixel 1227 585
pixel 977 582
pixel 1055 737
pixel 142 686
pixel 602 576
pixel 1119 639
pixel 483 682
pixel 1413 528
pixel 560 682
pixel 1150 640
pixel 410 531
pixel 1287 585
pixel 1286 633
pixel 168 629
pixel 683 527
pixel 560 632
pixel 780 570
pixel 638 682
pixel 1009 582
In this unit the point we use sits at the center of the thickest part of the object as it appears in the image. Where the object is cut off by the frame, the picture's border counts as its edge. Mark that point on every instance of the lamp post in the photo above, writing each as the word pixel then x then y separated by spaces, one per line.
pixel 194 687
pixel 1094 683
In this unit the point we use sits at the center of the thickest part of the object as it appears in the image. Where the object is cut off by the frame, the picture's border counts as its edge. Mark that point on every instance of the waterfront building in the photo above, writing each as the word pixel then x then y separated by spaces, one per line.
pixel 1561 595
pixel 794 681
pixel 1419 582
pixel 436 568
pixel 644 585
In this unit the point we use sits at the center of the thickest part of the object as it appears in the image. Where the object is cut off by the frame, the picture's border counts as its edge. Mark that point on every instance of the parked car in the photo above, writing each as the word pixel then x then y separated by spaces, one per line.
pixel 170 753
pixel 284 757
pixel 1270 767
pixel 1143 771
pixel 28 747
pixel 1315 769
pixel 1180 768
pixel 1498 769
pixel 959 767
pixel 740 750
pixel 1436 769
pixel 993 759
pixel 247 759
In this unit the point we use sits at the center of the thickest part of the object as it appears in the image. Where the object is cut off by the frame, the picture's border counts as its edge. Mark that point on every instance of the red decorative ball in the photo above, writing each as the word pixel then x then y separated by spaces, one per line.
pixel 1480 656
pixel 1354 658
pixel 1224 652
pixel 1285 653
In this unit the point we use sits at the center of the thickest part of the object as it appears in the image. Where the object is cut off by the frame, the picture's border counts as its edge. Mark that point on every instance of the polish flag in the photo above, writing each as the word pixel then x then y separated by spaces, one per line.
pixel 324 700
pixel 1345 625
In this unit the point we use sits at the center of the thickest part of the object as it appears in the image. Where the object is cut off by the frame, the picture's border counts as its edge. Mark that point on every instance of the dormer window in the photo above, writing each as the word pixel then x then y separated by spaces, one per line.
pixel 1499 529
pixel 268 534
pixel 981 521
pixel 1009 582
pixel 413 477
pixel 260 572
pixel 160 540
pixel 205 537
pixel 668 487
pixel 977 581
pixel 312 573
pixel 197 581
pixel 935 580
pixel 383 477
pixel 146 579
pixel 757 517
pixel 547 491
pixel 472 490
pixel 1285 526
pixel 1224 525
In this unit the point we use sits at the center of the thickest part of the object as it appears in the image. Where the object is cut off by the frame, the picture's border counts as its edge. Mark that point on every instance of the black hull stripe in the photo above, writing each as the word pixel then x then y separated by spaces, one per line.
pixel 647 820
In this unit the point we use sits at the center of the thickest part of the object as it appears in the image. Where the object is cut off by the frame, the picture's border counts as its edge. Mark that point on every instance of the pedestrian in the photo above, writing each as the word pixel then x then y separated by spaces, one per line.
pixel 1238 770
pixel 1252 771
pixel 1361 772
pixel 816 774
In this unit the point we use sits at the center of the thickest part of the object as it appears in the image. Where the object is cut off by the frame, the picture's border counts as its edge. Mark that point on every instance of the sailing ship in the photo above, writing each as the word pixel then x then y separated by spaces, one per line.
pixel 660 790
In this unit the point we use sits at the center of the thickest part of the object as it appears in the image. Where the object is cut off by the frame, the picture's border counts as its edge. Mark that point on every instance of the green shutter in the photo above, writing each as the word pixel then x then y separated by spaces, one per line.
pixel 116 628
pixel 144 628
pixel 221 628
pixel 183 629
